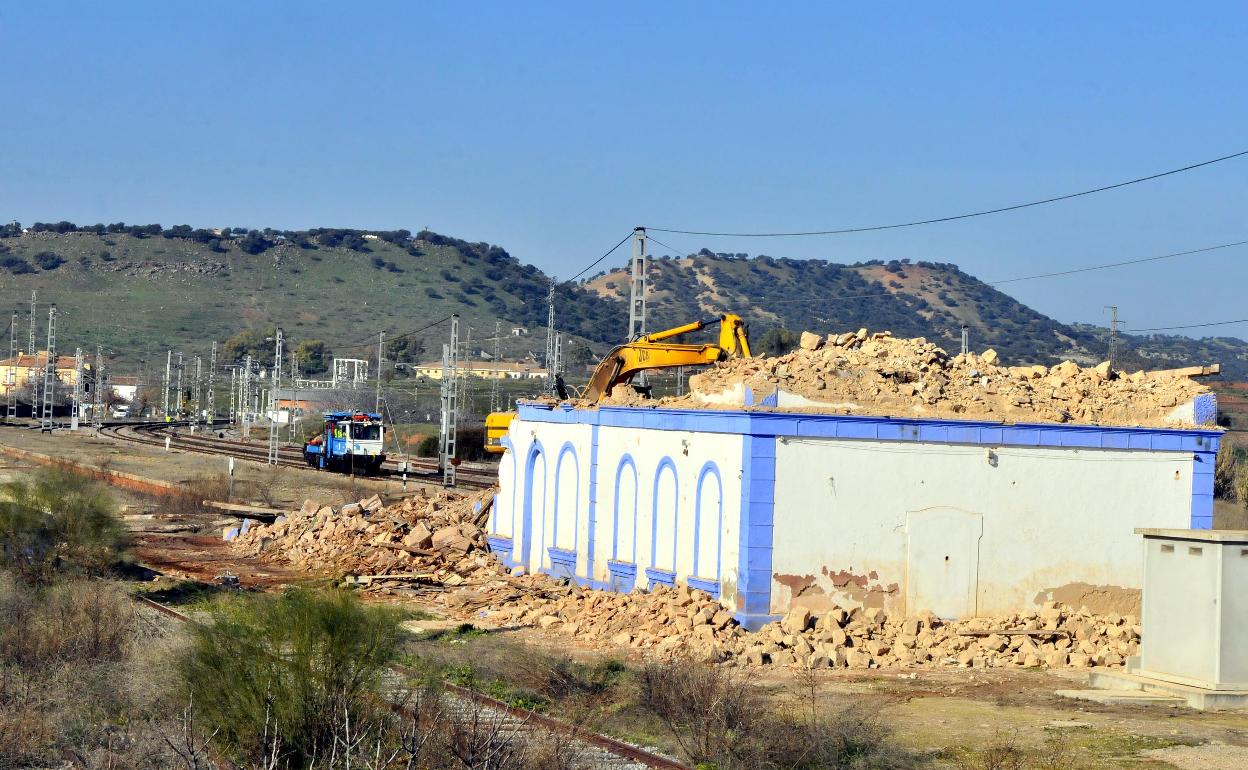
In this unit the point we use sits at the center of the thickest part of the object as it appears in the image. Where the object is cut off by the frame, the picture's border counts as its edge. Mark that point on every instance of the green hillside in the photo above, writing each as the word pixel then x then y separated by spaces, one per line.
pixel 139 290
pixel 141 294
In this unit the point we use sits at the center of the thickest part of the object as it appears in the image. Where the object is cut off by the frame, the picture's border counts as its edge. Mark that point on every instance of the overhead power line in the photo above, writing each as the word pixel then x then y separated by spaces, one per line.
pixel 955 217
pixel 1123 263
pixel 1188 326
pixel 609 252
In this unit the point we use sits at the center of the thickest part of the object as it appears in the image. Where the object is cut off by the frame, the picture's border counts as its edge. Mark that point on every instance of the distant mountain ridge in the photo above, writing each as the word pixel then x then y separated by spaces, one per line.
pixel 140 290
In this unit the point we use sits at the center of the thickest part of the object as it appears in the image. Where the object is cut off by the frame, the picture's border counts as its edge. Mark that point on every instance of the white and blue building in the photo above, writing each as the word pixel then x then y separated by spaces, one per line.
pixel 769 509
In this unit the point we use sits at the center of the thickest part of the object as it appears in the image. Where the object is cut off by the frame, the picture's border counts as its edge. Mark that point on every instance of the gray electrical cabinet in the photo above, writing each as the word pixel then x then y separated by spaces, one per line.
pixel 1195 607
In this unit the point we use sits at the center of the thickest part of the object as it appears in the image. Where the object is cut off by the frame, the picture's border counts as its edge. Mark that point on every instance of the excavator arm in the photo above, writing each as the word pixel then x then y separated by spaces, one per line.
pixel 652 352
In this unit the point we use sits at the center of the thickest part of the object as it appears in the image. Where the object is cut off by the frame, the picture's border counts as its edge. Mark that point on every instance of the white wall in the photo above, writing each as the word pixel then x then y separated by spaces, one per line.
pixel 693 477
pixel 861 521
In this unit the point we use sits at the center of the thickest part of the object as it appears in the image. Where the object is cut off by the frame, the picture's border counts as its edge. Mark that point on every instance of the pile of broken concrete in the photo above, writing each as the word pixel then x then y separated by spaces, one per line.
pixel 681 622
pixel 433 538
pixel 878 374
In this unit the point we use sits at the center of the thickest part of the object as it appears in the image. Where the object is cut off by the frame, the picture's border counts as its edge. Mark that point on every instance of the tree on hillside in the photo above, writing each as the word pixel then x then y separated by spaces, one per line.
pixel 776 342
pixel 407 350
pixel 312 356
pixel 251 341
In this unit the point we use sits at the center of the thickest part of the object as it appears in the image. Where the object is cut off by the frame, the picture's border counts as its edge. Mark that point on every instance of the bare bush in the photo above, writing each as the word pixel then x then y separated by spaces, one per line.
pixel 188 499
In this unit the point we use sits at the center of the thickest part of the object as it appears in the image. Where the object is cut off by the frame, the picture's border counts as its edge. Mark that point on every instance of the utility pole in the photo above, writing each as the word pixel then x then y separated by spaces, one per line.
pixel 1113 335
pixel 198 395
pixel 966 339
pixel 233 392
pixel 637 295
pixel 212 384
pixel 77 407
pixel 294 395
pixel 97 411
pixel 273 386
pixel 381 349
pixel 178 404
pixel 466 373
pixel 49 373
pixel 244 396
pixel 11 412
pixel 33 376
pixel 498 328
pixel 550 337
pixel 164 401
pixel 558 367
pixel 450 405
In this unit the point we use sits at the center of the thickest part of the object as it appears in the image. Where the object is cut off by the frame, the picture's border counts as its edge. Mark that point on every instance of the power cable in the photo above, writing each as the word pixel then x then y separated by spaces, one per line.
pixel 1188 326
pixel 591 265
pixel 1056 274
pixel 1118 264
pixel 956 217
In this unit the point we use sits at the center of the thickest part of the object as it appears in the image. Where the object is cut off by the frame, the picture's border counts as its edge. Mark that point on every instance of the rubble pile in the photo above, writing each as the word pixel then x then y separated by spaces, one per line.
pixel 682 622
pixel 878 374
pixel 435 539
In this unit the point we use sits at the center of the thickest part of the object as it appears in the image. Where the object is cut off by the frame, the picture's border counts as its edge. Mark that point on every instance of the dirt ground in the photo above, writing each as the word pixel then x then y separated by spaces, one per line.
pixel 945 713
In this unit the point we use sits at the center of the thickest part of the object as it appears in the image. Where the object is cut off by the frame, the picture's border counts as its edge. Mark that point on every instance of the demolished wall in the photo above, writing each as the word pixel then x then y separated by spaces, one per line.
pixel 878 374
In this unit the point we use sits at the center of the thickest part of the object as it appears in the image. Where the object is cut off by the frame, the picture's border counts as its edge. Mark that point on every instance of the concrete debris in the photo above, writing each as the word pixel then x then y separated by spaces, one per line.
pixel 437 543
pixel 878 374
pixel 672 622
pixel 437 539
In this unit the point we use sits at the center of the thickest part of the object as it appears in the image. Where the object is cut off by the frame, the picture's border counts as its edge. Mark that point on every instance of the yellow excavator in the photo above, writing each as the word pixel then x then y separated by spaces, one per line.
pixel 650 351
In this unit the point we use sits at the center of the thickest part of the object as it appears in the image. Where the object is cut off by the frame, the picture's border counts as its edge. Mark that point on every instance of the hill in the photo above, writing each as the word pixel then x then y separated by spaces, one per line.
pixel 913 299
pixel 139 290
pixel 139 293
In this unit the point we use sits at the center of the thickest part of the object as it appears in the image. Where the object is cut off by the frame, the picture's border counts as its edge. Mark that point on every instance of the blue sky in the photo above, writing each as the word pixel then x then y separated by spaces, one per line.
pixel 553 128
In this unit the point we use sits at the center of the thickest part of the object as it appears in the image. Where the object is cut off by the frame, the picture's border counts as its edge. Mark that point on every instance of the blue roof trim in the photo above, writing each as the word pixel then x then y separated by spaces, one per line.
pixel 942 431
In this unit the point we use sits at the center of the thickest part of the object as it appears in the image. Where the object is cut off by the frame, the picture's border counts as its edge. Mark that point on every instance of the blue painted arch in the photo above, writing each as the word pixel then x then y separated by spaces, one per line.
pixel 709 472
pixel 665 465
pixel 626 462
pixel 566 451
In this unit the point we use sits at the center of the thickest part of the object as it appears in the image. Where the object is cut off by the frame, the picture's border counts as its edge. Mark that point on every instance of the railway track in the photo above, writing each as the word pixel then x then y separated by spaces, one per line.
pixel 591 749
pixel 155 433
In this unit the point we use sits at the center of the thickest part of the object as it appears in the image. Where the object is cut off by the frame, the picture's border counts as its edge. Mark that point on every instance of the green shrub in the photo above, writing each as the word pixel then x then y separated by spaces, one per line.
pixel 58 522
pixel 289 671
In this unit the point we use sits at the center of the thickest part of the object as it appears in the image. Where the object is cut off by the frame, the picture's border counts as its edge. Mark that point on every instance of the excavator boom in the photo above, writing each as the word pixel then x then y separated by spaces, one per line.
pixel 651 352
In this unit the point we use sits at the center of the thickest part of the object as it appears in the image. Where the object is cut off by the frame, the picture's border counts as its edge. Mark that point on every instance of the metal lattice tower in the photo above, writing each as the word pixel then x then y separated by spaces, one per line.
pixel 177 405
pixel 164 401
pixel 558 367
pixel 76 414
pixel 97 411
pixel 233 392
pixel 244 396
pixel 294 395
pixel 637 294
pixel 450 405
pixel 1113 335
pixel 34 375
pixel 212 383
pixel 550 337
pixel 273 386
pixel 197 396
pixel 498 329
pixel 381 349
pixel 966 339
pixel 49 373
pixel 11 404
